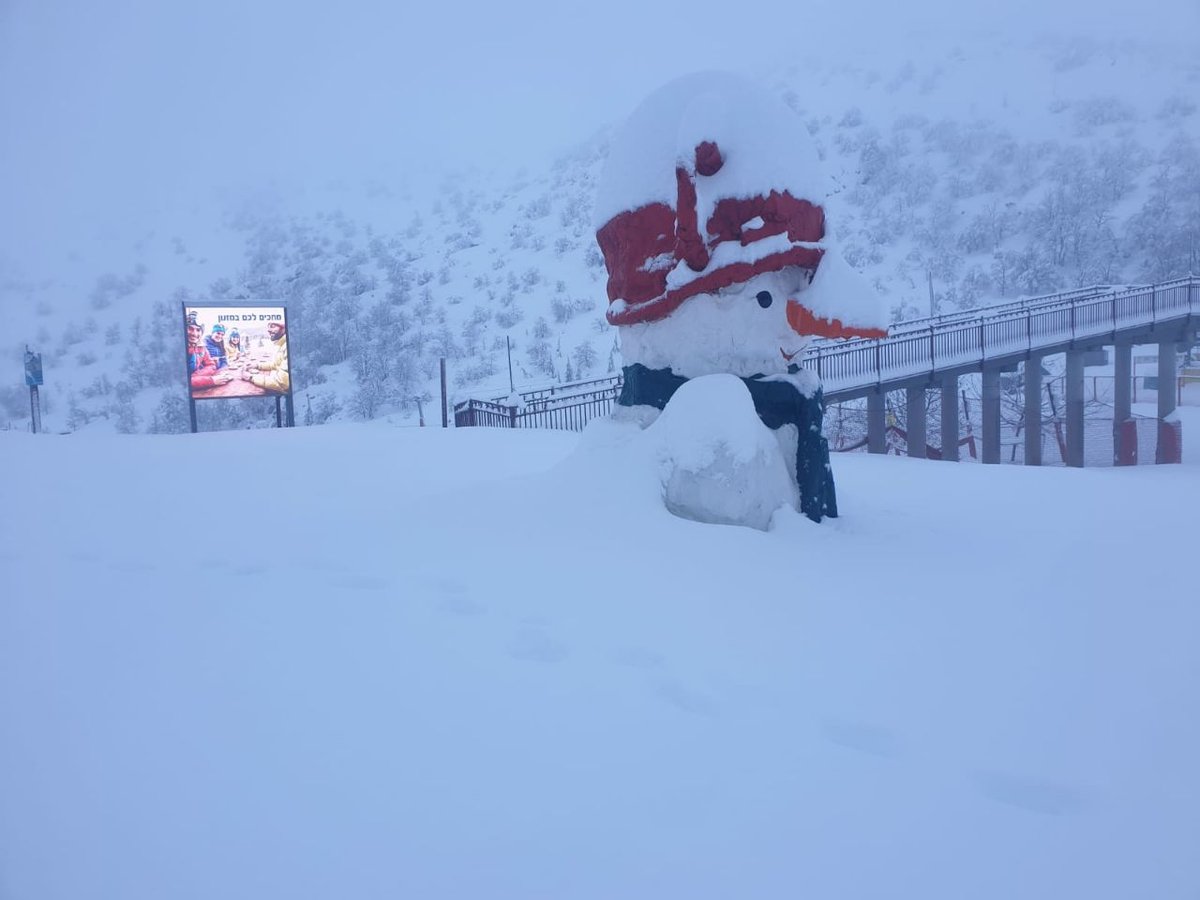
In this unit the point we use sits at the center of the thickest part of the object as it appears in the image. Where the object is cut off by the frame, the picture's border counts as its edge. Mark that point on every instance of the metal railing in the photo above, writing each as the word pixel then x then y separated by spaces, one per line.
pixel 913 349
pixel 565 406
pixel 926 346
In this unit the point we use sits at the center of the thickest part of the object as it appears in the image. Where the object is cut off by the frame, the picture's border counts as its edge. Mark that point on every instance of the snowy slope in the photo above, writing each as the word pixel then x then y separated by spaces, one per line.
pixel 994 166
pixel 362 661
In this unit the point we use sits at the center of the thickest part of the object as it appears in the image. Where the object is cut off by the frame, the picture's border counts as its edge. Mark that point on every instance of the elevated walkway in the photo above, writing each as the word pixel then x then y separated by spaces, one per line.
pixel 934 353
pixel 922 350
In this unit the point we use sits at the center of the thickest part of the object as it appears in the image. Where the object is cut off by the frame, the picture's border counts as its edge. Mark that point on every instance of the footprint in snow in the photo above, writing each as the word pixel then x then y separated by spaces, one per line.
pixel 132 566
pixel 452 597
pixel 535 645
pixel 245 569
pixel 684 698
pixel 460 603
pixel 863 737
pixel 1030 794
pixel 361 582
pixel 637 658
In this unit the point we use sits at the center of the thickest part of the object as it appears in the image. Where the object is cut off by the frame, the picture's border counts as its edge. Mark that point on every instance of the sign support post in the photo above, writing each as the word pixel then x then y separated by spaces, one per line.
pixel 445 406
pixel 35 409
pixel 33 378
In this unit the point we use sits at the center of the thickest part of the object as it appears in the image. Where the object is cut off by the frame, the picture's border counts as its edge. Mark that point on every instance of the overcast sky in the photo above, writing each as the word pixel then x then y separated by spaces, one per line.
pixel 120 100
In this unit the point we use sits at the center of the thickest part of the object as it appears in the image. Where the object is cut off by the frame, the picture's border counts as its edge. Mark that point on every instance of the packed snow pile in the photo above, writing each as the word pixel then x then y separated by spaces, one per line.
pixel 715 460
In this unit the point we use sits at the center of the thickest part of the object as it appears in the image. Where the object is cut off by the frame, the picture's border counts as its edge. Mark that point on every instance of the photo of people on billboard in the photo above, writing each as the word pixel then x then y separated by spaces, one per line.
pixel 236 351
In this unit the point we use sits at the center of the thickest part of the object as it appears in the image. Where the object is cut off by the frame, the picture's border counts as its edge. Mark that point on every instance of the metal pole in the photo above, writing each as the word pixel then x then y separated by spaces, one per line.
pixel 445 407
pixel 35 409
pixel 508 341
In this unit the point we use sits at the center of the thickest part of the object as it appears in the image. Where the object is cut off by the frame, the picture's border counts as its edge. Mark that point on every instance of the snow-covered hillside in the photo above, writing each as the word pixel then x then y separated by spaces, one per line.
pixel 987 168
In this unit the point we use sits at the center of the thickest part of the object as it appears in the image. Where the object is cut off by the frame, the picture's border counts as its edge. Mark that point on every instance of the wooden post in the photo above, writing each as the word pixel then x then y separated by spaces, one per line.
pixel 445 406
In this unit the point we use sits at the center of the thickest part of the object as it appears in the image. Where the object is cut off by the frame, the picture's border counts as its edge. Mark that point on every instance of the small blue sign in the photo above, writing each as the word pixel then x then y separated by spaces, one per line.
pixel 33 369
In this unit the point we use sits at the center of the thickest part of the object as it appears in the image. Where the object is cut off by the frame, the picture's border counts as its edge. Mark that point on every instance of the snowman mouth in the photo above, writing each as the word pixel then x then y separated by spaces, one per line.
pixel 788 357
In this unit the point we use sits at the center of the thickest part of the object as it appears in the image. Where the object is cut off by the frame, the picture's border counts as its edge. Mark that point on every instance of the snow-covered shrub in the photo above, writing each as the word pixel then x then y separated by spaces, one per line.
pixel 509 316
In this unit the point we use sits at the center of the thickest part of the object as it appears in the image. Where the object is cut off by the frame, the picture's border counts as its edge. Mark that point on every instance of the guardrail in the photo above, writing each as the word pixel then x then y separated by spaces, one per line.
pixel 925 347
pixel 564 406
pixel 920 347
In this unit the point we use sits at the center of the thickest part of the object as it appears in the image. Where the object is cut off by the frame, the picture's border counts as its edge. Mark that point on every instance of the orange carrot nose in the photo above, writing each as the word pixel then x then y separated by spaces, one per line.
pixel 804 323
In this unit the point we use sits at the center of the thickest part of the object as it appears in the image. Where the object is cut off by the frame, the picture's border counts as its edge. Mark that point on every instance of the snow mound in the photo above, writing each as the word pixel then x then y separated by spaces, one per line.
pixel 665 129
pixel 717 462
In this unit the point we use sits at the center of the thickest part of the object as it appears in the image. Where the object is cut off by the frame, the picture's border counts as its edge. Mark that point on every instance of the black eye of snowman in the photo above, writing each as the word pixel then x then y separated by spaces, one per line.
pixel 764 299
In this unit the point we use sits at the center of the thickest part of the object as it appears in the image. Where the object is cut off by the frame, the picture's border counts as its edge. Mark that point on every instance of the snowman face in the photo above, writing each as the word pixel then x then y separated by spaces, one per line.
pixel 741 330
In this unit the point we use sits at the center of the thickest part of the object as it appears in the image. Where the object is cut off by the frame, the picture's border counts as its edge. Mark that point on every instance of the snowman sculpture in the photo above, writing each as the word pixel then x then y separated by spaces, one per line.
pixel 719 275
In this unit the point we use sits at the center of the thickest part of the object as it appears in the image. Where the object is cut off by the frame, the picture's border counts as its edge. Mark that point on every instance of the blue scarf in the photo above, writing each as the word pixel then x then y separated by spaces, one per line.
pixel 777 403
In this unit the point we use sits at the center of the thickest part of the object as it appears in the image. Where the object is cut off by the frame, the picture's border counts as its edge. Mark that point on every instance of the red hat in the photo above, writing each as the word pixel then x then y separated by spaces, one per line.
pixel 657 256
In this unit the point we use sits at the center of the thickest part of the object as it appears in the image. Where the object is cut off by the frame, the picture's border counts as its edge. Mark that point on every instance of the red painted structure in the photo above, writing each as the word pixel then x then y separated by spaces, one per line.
pixel 1125 446
pixel 1170 442
pixel 643 246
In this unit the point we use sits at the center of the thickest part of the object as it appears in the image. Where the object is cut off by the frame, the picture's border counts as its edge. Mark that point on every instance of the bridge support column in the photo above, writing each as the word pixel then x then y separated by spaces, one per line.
pixel 991 415
pixel 950 418
pixel 876 423
pixel 1166 379
pixel 1168 448
pixel 1033 411
pixel 1124 435
pixel 914 425
pixel 1075 408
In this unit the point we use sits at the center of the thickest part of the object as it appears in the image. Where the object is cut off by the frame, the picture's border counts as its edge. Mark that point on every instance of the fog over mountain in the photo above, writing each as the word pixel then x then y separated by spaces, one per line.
pixel 434 168
pixel 107 107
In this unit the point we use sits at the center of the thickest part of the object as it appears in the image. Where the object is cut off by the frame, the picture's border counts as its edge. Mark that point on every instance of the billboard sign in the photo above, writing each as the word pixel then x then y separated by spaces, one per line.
pixel 236 351
pixel 33 368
